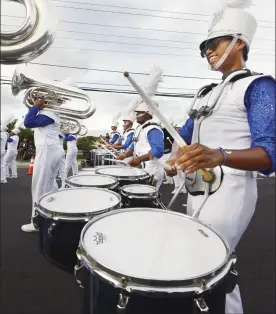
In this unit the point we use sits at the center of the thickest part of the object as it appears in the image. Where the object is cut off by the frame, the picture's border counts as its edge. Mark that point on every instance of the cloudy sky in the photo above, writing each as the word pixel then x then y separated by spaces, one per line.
pixel 98 40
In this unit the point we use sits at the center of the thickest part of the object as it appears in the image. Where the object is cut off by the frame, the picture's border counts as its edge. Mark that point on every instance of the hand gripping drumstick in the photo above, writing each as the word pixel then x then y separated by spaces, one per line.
pixel 179 140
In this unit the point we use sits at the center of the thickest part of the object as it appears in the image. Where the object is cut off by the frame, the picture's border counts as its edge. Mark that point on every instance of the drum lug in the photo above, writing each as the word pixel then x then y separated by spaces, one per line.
pixel 51 229
pixel 123 302
pixel 36 220
pixel 201 305
pixel 79 275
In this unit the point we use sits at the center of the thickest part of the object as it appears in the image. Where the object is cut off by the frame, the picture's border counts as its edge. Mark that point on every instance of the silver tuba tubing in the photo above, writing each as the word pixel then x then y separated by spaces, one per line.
pixel 55 95
pixel 83 131
pixel 70 125
pixel 34 37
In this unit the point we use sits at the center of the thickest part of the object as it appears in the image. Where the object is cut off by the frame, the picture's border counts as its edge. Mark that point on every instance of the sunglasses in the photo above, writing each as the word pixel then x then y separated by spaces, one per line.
pixel 213 44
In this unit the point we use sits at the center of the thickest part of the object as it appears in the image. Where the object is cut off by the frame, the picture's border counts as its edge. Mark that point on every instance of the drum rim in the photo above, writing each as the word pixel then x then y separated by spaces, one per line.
pixel 104 186
pixel 115 278
pixel 152 195
pixel 129 178
pixel 75 216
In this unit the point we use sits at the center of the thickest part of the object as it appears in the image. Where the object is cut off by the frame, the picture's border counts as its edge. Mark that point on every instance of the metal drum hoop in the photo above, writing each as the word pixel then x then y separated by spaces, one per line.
pixel 190 286
pixel 104 186
pixel 127 178
pixel 133 195
pixel 75 216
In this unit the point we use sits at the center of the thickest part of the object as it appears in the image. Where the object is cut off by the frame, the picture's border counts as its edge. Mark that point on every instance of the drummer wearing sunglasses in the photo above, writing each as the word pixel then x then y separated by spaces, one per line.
pixel 232 126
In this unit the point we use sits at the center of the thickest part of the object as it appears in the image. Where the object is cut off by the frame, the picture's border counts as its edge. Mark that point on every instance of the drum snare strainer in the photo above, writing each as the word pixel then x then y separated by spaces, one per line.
pixel 90 180
pixel 155 252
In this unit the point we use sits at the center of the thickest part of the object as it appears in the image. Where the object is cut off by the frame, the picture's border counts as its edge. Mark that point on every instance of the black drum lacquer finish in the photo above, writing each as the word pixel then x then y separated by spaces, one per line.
pixel 130 202
pixel 59 240
pixel 101 298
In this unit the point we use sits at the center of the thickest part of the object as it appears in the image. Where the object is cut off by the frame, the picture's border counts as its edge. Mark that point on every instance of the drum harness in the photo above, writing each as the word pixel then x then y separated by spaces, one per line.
pixel 195 183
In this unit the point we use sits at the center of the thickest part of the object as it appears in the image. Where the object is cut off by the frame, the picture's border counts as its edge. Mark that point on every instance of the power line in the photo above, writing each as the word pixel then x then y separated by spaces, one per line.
pixel 116 91
pixel 142 9
pixel 142 53
pixel 134 37
pixel 125 85
pixel 140 28
pixel 122 71
pixel 143 45
pixel 140 14
pixel 135 14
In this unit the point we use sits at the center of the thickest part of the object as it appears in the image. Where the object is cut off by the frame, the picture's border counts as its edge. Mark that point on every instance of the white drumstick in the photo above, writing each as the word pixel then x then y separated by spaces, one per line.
pixel 150 103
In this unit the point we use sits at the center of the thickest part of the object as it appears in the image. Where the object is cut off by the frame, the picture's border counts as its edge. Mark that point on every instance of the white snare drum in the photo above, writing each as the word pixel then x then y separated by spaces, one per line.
pixel 61 216
pixel 139 195
pixel 126 175
pixel 150 252
pixel 92 180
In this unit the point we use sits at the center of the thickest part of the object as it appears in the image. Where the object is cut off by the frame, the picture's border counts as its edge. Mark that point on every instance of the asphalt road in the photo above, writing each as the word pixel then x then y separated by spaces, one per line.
pixel 32 285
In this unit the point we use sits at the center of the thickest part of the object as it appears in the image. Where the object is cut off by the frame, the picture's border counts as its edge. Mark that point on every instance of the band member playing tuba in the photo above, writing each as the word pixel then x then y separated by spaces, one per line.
pixel 49 153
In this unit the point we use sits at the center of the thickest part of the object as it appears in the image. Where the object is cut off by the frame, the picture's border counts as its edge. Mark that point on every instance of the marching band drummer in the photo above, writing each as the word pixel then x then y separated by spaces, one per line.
pixel 238 134
pixel 126 140
pixel 71 156
pixel 46 126
pixel 148 143
pixel 10 157
pixel 115 135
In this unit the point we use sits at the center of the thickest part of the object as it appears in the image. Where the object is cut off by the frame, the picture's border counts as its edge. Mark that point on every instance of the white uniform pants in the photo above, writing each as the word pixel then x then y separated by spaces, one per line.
pixel 153 168
pixel 71 162
pixel 166 157
pixel 10 158
pixel 47 161
pixel 178 179
pixel 229 211
pixel 61 169
pixel 3 172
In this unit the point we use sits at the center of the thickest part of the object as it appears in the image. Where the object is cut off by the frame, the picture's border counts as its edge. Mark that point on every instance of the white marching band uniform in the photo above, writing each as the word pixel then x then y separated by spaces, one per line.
pixel 130 117
pixel 71 156
pixel 47 160
pixel 230 209
pixel 4 137
pixel 142 146
pixel 10 157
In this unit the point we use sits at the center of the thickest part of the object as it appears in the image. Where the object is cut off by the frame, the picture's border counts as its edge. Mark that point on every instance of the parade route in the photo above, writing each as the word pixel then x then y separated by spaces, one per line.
pixel 30 284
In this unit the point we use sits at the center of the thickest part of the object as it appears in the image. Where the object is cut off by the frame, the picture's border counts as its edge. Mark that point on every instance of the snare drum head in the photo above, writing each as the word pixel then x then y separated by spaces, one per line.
pixel 151 244
pixel 79 201
pixel 139 189
pixel 87 170
pixel 91 180
pixel 122 172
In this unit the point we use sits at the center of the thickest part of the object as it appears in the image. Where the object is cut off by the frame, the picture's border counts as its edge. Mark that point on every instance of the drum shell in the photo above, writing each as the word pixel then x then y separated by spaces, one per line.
pixel 102 298
pixel 59 240
pixel 59 237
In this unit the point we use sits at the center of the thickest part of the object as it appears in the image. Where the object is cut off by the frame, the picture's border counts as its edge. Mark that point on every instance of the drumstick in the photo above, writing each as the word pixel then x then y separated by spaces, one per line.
pixel 179 140
pixel 110 152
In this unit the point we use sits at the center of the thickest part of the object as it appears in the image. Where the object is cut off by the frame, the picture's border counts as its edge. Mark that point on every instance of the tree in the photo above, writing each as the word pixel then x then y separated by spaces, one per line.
pixel 11 125
pixel 86 143
pixel 27 134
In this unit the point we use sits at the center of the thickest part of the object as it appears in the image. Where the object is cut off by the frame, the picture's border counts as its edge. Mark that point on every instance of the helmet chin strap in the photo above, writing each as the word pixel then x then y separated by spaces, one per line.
pixel 226 54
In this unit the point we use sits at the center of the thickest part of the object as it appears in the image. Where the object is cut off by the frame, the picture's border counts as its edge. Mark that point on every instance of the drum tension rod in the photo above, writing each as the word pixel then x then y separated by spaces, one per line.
pixel 201 305
pixel 123 297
